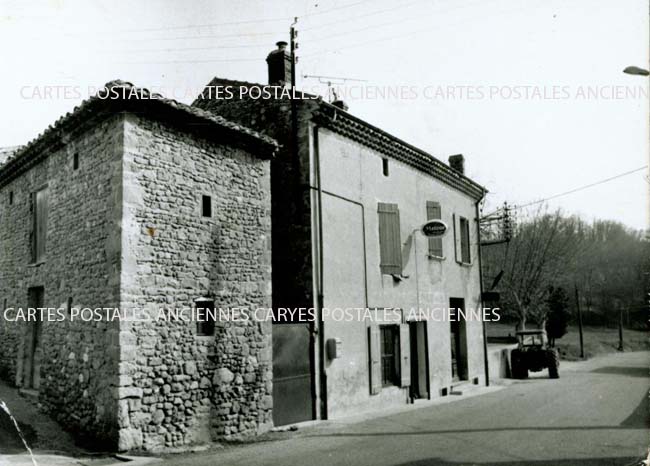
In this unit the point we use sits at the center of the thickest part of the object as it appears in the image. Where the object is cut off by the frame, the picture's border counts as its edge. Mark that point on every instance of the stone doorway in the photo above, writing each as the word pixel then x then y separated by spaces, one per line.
pixel 32 353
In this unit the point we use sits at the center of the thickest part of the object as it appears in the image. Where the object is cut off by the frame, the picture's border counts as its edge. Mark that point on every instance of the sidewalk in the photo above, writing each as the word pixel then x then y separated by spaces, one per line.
pixel 54 447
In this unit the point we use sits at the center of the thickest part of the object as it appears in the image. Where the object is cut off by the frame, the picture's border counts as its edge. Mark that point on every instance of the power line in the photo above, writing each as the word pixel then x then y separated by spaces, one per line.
pixel 185 49
pixel 192 26
pixel 232 23
pixel 571 191
pixel 173 62
pixel 217 36
pixel 366 15
pixel 399 36
pixel 342 7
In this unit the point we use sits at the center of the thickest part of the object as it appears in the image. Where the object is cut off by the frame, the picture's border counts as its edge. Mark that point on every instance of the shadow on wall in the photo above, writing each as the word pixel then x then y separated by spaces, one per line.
pixel 623 461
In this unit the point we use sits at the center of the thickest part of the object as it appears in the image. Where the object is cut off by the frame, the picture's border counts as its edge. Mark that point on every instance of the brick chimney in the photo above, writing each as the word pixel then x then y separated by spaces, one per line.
pixel 457 162
pixel 279 64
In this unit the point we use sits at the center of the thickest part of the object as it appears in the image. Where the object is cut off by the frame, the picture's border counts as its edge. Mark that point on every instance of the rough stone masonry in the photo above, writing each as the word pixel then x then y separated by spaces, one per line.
pixel 126 182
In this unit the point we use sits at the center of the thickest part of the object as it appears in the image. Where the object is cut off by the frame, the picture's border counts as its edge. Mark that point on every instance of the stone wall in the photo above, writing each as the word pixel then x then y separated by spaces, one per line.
pixel 290 187
pixel 178 388
pixel 78 360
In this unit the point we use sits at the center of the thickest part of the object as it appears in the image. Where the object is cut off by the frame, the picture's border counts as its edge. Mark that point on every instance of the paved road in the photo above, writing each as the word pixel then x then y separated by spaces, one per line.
pixel 596 414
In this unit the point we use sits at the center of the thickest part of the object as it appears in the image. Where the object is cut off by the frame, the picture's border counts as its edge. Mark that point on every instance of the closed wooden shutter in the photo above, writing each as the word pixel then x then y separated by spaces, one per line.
pixel 32 229
pixel 454 219
pixel 374 351
pixel 41 223
pixel 390 245
pixel 464 240
pixel 434 212
pixel 405 355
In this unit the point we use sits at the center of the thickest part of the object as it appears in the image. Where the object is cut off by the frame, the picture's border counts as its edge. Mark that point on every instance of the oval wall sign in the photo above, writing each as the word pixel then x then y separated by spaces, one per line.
pixel 434 228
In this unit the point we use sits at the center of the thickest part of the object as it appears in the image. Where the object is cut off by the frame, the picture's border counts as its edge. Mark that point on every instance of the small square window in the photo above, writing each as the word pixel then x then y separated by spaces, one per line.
pixel 75 161
pixel 206 206
pixel 11 197
pixel 205 317
pixel 385 166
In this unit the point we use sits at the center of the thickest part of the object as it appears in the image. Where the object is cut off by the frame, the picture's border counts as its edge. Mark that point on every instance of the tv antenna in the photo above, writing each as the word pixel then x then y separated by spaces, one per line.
pixel 331 80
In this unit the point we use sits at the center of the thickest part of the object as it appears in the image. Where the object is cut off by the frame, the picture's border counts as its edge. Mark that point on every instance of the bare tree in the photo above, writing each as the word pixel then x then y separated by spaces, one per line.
pixel 542 250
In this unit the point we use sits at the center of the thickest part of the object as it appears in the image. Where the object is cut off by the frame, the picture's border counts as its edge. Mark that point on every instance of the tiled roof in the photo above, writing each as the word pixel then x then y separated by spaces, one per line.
pixel 119 96
pixel 6 153
pixel 346 124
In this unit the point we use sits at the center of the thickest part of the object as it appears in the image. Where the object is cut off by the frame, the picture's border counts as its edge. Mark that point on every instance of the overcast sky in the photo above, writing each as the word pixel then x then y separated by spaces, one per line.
pixel 533 96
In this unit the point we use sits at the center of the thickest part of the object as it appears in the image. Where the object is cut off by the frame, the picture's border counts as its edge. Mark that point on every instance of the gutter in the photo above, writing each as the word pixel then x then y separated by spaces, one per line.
pixel 320 299
pixel 480 276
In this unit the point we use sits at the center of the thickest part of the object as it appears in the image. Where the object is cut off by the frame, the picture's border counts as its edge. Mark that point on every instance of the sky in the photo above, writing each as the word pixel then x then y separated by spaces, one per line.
pixel 532 93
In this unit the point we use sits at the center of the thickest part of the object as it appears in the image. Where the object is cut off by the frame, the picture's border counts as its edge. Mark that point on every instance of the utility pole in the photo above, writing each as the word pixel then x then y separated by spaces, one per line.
pixel 620 328
pixel 293 34
pixel 582 346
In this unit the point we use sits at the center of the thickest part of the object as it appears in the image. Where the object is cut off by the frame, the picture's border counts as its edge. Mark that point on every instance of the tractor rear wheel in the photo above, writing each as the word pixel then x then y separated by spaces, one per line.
pixel 553 358
pixel 518 365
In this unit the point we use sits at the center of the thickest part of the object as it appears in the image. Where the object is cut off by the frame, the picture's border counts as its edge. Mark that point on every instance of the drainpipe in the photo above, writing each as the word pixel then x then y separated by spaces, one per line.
pixel 320 297
pixel 480 275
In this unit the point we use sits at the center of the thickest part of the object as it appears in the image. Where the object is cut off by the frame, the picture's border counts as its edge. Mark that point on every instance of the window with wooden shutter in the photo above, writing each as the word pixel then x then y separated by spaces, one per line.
pixel 435 244
pixel 405 355
pixel 390 355
pixel 390 246
pixel 374 352
pixel 38 233
pixel 464 241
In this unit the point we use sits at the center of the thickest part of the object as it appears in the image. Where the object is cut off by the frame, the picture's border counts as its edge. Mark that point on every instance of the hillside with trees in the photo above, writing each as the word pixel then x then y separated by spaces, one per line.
pixel 551 255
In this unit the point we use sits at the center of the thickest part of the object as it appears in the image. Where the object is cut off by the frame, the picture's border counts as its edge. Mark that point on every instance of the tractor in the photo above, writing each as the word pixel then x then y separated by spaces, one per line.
pixel 534 354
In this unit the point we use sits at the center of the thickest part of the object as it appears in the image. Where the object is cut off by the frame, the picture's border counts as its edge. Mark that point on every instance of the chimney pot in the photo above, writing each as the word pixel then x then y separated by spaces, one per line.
pixel 457 162
pixel 340 104
pixel 279 65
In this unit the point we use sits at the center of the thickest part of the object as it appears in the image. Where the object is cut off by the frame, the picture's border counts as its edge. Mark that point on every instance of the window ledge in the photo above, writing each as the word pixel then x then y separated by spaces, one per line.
pixel 465 264
pixel 36 264
pixel 436 258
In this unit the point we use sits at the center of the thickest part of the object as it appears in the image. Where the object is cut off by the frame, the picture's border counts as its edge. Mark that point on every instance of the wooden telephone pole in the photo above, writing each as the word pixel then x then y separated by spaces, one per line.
pixel 582 346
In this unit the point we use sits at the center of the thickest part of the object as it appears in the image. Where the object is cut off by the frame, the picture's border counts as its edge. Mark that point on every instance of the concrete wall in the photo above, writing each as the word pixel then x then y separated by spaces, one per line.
pixel 78 360
pixel 353 184
pixel 499 361
pixel 178 388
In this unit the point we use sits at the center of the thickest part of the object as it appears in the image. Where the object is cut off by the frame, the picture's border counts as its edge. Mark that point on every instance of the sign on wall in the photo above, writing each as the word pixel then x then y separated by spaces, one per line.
pixel 434 228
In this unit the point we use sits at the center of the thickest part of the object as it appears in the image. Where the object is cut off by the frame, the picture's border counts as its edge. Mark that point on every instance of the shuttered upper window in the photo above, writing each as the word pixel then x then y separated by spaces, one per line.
pixel 435 244
pixel 464 241
pixel 38 208
pixel 390 247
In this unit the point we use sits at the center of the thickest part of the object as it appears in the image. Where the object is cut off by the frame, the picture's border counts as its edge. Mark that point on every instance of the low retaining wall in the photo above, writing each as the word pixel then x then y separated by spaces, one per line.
pixel 499 360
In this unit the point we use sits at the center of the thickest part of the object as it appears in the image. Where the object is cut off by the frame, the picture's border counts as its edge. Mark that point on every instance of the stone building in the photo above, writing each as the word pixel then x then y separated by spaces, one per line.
pixel 347 202
pixel 133 201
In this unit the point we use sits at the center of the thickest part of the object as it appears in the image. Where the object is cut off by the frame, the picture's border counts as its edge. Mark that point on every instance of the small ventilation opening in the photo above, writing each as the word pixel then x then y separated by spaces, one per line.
pixel 205 314
pixel 206 206
pixel 385 166
pixel 11 197
pixel 444 391
pixel 475 380
pixel 75 161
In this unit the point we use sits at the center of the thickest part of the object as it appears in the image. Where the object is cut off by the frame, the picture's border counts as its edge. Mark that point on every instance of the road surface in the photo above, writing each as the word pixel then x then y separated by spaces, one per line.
pixel 595 414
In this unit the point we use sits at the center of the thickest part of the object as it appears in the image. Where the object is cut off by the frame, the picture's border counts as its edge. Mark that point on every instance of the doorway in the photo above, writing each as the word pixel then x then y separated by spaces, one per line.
pixel 32 341
pixel 458 334
pixel 292 374
pixel 418 337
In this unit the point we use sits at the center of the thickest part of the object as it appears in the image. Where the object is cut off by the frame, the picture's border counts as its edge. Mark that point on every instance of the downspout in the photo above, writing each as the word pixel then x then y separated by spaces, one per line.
pixel 320 296
pixel 480 277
